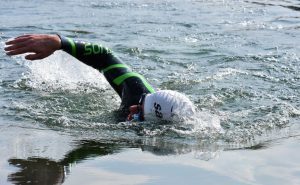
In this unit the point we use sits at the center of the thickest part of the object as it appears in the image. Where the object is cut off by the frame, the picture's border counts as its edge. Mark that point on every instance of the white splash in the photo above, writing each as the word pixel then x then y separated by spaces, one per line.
pixel 202 124
pixel 60 71
pixel 223 73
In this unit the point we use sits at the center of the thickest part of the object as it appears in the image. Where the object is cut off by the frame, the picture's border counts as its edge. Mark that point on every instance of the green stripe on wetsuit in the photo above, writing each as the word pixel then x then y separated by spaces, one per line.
pixel 72 46
pixel 120 79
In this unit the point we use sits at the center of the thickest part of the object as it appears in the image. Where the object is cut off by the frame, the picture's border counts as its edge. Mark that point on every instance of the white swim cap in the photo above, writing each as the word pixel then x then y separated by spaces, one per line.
pixel 165 104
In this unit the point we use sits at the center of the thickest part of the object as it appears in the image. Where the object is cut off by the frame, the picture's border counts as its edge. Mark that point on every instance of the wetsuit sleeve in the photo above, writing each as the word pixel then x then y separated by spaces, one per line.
pixel 94 55
pixel 129 85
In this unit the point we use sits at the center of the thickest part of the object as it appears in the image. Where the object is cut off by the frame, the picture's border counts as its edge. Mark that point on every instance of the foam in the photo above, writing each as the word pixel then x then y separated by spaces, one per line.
pixel 60 71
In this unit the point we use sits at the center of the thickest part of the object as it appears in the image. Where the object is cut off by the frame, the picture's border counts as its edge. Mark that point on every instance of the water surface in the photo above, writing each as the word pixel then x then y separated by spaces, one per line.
pixel 238 61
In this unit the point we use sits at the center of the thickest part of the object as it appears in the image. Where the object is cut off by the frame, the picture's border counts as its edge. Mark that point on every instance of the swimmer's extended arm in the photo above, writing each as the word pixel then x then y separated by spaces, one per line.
pixel 42 46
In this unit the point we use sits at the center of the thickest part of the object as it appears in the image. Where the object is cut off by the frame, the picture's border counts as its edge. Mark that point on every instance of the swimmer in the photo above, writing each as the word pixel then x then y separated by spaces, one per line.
pixel 139 100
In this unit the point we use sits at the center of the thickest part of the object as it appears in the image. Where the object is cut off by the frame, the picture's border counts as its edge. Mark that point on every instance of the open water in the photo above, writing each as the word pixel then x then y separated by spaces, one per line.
pixel 238 61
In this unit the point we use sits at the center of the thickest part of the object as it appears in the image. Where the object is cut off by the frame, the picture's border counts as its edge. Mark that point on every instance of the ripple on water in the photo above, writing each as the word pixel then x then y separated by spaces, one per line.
pixel 243 86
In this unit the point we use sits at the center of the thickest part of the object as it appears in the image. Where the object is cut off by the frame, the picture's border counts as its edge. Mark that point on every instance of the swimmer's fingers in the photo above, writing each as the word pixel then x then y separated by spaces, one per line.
pixel 17 45
pixel 19 51
pixel 17 40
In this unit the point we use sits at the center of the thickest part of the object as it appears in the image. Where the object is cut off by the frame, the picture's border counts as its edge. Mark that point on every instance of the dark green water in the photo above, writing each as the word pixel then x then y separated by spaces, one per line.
pixel 238 61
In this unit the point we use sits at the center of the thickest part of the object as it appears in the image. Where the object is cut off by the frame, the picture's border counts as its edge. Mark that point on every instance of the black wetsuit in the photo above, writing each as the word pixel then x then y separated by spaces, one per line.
pixel 129 85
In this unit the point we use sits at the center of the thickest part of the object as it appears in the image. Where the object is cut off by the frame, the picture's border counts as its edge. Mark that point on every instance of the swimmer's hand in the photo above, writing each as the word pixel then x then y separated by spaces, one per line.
pixel 38 46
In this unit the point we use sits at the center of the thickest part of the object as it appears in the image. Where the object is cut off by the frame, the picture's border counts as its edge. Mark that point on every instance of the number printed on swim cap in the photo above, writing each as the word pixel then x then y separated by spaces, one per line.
pixel 157 108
